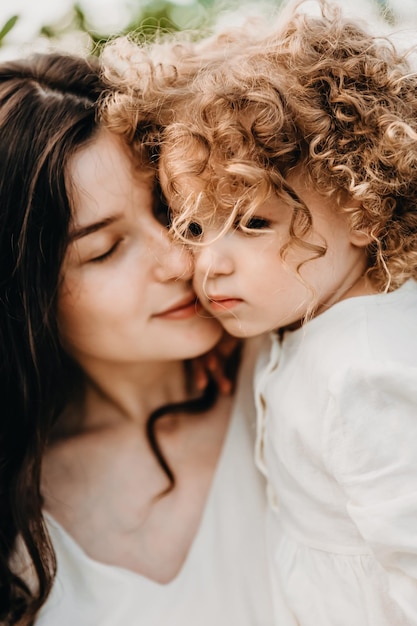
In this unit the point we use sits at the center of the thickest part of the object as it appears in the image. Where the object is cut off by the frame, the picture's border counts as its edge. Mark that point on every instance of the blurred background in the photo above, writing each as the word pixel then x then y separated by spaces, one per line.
pixel 27 25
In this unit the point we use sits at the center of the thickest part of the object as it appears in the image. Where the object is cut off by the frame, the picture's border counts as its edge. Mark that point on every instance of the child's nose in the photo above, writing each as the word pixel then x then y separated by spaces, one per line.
pixel 213 257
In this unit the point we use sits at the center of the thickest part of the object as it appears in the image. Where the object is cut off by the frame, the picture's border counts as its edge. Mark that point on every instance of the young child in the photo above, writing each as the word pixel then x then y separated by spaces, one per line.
pixel 292 168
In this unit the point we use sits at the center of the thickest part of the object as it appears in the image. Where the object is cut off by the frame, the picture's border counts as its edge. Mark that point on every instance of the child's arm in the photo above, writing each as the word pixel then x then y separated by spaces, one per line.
pixel 371 437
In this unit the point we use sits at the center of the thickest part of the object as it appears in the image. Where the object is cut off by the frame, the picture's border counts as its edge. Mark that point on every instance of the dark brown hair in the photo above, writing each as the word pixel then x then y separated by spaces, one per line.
pixel 48 106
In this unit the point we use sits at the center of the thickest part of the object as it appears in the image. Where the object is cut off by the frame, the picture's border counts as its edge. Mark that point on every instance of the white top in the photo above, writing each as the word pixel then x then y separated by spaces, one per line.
pixel 337 411
pixel 224 581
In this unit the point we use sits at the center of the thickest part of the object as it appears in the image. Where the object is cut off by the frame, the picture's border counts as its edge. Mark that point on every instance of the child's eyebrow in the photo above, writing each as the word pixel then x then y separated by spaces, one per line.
pixel 88 229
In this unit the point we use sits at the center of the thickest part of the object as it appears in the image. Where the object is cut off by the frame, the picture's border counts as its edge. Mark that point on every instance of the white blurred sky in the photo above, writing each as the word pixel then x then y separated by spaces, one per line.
pixel 107 16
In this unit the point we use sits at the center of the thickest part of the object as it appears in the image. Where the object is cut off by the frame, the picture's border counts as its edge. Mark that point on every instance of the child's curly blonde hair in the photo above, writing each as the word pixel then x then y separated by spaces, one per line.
pixel 239 113
pixel 150 81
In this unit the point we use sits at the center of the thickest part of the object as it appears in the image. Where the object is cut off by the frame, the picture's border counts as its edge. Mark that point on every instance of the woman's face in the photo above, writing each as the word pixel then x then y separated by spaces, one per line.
pixel 126 294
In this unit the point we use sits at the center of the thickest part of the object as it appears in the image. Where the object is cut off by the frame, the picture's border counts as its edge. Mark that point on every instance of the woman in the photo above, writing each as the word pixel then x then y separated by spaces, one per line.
pixel 127 492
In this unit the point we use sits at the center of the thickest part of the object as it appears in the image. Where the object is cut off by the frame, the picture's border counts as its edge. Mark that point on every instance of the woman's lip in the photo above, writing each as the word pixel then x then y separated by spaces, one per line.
pixel 184 308
pixel 222 303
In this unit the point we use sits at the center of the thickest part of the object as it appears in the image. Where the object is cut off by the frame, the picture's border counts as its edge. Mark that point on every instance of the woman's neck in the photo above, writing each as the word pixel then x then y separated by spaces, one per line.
pixel 126 393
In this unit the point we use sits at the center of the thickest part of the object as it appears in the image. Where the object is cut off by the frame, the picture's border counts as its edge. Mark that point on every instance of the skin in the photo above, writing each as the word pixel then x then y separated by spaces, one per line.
pixel 127 315
pixel 243 281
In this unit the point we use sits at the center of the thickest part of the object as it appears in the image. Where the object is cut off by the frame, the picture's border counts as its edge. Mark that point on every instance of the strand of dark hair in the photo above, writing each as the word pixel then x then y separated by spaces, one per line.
pixel 202 403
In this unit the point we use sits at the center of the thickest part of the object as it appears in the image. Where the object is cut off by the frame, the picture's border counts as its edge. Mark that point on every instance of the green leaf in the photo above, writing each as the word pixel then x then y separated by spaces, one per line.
pixel 79 16
pixel 47 31
pixel 8 27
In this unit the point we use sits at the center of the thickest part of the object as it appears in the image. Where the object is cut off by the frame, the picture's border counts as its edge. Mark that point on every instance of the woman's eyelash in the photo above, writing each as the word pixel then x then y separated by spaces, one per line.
pixel 106 255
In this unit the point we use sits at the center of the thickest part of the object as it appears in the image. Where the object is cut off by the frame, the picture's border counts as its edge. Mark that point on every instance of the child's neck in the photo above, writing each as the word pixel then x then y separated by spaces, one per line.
pixel 362 287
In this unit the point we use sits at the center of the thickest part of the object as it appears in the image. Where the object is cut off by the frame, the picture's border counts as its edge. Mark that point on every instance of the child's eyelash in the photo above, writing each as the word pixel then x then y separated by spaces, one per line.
pixel 253 223
pixel 106 255
pixel 258 223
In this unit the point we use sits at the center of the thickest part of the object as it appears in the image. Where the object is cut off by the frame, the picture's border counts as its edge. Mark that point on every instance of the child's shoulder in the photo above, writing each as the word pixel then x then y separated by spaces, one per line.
pixel 391 325
pixel 372 399
pixel 363 329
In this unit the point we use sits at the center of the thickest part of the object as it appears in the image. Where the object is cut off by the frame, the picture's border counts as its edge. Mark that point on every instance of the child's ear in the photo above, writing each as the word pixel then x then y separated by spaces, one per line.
pixel 360 238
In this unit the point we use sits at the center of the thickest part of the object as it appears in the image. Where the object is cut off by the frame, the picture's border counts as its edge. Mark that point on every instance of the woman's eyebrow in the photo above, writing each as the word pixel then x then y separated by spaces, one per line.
pixel 88 229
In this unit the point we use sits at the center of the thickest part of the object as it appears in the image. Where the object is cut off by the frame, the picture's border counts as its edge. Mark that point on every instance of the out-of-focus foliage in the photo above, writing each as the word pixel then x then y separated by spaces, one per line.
pixel 7 27
pixel 147 18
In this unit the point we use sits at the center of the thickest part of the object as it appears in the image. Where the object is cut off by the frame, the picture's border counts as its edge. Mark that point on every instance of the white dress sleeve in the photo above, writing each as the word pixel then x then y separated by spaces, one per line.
pixel 370 443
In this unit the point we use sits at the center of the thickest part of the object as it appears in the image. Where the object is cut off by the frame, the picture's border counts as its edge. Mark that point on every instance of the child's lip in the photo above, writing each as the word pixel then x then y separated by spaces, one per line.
pixel 220 302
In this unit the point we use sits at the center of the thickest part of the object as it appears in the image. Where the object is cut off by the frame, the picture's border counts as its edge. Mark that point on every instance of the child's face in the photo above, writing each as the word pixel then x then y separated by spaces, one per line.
pixel 243 281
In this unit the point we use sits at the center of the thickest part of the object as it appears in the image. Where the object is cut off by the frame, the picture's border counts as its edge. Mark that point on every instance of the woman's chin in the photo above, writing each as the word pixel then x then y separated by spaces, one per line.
pixel 203 340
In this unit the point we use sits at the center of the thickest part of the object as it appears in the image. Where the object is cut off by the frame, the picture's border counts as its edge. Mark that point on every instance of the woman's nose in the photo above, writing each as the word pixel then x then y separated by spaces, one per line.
pixel 173 260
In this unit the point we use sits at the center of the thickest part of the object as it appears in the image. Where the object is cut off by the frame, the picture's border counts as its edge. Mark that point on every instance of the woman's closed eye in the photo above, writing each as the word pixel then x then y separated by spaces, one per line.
pixel 107 254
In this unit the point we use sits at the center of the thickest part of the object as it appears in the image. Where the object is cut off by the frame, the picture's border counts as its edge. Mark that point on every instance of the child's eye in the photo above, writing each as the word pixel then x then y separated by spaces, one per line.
pixel 107 254
pixel 194 229
pixel 254 223
pixel 258 223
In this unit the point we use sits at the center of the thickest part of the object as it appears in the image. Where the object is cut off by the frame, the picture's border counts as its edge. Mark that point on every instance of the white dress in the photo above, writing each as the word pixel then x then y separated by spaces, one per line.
pixel 224 581
pixel 337 439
